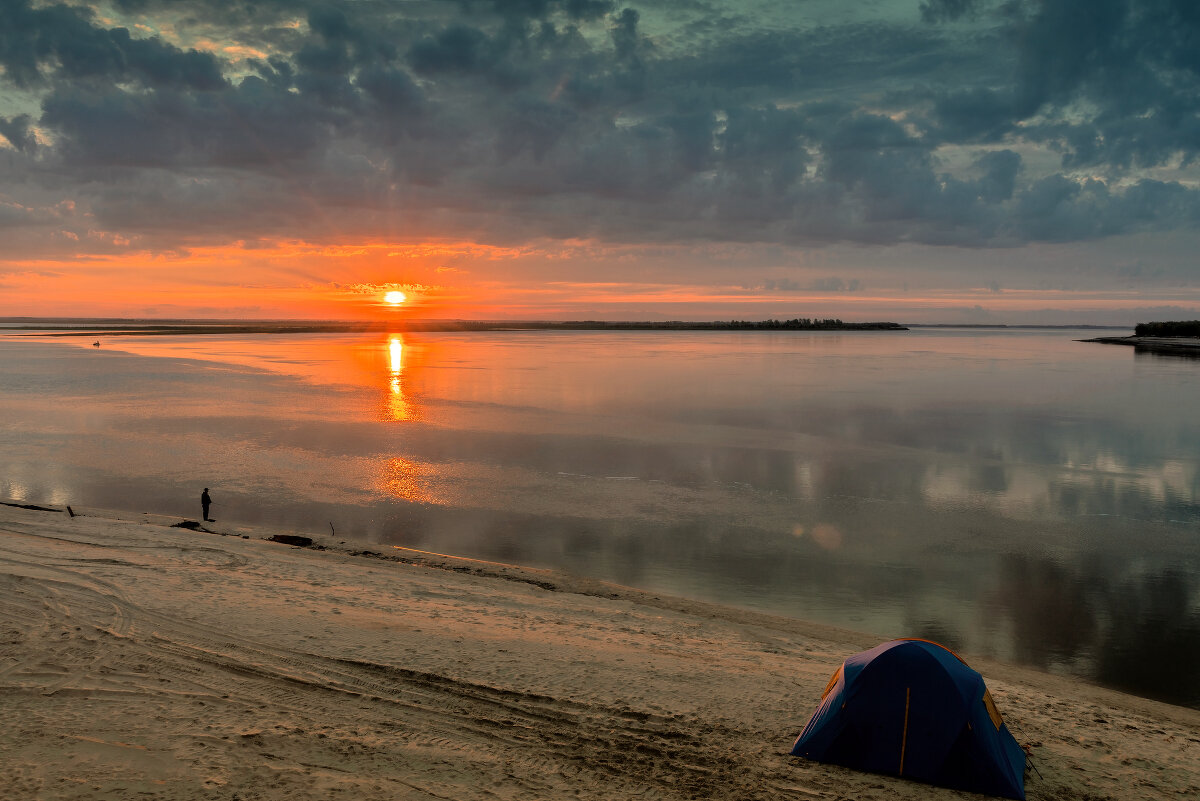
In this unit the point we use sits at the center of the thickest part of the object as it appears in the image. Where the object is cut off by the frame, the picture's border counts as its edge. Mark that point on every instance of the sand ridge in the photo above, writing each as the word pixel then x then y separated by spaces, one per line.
pixel 139 660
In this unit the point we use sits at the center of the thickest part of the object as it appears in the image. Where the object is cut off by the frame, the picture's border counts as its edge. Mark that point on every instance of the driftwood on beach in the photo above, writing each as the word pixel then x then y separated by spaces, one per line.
pixel 292 539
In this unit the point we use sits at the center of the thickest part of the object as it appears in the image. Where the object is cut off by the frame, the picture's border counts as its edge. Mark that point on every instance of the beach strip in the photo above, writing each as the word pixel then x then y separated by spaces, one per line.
pixel 139 659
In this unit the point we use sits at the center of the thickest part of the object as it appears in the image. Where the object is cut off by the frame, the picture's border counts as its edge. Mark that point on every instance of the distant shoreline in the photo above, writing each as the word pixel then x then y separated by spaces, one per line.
pixel 67 328
pixel 1175 346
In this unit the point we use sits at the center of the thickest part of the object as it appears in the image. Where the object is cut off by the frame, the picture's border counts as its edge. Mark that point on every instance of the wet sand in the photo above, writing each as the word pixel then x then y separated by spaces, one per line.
pixel 143 661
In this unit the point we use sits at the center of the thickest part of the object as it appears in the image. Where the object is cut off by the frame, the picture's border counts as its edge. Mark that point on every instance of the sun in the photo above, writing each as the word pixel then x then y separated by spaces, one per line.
pixel 395 297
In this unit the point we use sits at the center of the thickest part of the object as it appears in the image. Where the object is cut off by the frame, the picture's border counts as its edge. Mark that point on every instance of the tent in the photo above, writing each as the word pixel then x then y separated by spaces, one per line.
pixel 913 708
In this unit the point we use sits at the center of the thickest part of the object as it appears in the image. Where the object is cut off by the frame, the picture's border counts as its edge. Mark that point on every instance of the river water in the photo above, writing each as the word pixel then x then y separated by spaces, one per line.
pixel 1014 493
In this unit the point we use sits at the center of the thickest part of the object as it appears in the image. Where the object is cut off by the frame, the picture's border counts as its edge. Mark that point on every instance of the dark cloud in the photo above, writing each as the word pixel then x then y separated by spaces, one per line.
pixel 456 49
pixel 762 154
pixel 1058 209
pixel 948 10
pixel 539 9
pixel 1110 83
pixel 253 126
pixel 504 119
pixel 999 175
pixel 64 42
pixel 17 131
pixel 393 91
pixel 978 114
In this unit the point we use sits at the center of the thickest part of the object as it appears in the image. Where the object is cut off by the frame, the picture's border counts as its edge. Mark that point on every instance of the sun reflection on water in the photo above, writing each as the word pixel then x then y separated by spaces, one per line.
pixel 405 479
pixel 398 407
pixel 401 478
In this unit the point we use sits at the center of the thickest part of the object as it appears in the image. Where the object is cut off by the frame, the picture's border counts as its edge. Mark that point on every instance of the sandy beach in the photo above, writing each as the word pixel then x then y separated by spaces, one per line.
pixel 139 660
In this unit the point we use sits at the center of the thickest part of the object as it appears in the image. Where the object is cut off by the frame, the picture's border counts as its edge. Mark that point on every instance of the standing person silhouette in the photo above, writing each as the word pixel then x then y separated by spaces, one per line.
pixel 205 502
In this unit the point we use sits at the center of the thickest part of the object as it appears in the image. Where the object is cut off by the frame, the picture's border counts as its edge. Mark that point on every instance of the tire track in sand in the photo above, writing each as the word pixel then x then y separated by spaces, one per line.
pixel 580 742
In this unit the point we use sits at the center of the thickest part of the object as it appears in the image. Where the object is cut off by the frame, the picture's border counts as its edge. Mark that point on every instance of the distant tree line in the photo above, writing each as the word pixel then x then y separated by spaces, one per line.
pixel 1176 328
pixel 148 328
pixel 795 324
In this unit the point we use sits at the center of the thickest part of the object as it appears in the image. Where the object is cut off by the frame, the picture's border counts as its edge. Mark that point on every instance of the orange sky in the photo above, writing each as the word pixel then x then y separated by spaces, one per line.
pixel 463 280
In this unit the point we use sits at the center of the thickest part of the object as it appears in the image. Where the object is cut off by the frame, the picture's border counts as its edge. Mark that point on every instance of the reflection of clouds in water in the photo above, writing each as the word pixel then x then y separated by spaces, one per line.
pixel 824 535
pixel 1020 462
pixel 1153 642
pixel 1107 486
pixel 804 480
pixel 1097 462
pixel 827 536
pixel 1009 490
pixel 1052 610
pixel 1160 481
pixel 1172 479
pixel 1138 632
pixel 1179 478
pixel 30 482
pixel 15 490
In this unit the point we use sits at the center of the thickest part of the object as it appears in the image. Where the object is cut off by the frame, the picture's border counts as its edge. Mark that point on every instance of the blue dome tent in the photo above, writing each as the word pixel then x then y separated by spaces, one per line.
pixel 913 708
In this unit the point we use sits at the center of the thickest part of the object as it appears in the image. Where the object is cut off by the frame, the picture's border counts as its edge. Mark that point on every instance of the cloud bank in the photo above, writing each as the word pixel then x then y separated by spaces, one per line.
pixel 978 124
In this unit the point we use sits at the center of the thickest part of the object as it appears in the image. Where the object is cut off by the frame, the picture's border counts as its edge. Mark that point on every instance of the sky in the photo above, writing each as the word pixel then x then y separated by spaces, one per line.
pixel 937 161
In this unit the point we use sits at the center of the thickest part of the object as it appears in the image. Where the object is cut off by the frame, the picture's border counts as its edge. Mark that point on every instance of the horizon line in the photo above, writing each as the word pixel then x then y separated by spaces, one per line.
pixel 382 324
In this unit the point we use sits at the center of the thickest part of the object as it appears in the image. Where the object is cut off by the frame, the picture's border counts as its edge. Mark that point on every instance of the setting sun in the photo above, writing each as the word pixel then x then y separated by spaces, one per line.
pixel 395 297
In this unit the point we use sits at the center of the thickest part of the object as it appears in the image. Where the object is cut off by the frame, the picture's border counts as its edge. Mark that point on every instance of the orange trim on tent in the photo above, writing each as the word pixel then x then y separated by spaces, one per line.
pixel 833 680
pixel 992 711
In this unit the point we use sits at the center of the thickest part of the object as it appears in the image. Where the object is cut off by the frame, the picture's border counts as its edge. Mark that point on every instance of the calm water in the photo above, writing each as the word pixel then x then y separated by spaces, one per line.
pixel 1012 493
